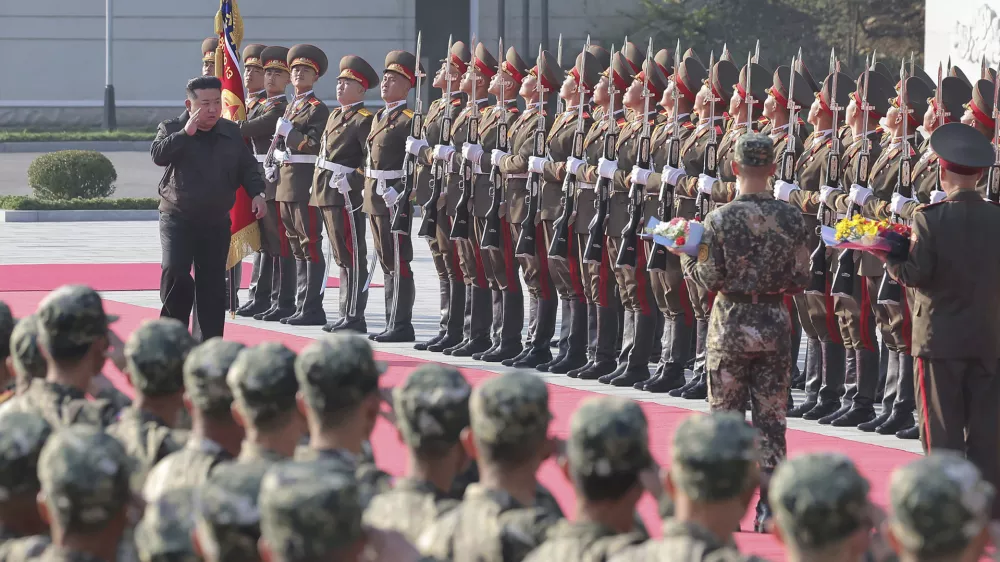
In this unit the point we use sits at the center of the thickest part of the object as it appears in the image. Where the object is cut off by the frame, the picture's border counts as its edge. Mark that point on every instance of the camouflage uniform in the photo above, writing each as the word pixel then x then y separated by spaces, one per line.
pixel 29 363
pixel 7 323
pixel 22 436
pixel 939 504
pixel 336 374
pixel 164 533
pixel 490 525
pixel 609 437
pixel 711 460
pixel 752 253
pixel 205 384
pixel 819 500
pixel 263 383
pixel 432 409
pixel 226 513
pixel 155 355
pixel 69 317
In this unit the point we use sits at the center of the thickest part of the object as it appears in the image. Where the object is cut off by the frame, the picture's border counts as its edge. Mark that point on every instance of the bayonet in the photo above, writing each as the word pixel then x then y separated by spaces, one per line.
pixel 756 52
pixel 559 53
pixel 710 161
pixel 984 71
pixel 630 245
pixel 874 59
pixel 750 101
pixel 949 65
pixel 418 107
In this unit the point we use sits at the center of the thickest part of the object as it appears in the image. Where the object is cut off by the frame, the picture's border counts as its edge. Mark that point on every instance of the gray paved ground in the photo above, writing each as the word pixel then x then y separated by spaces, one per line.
pixel 137 175
pixel 139 242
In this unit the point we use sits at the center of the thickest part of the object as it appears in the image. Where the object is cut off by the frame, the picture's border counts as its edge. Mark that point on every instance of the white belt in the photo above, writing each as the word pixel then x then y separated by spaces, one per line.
pixel 285 158
pixel 585 185
pixel 260 157
pixel 516 176
pixel 337 169
pixel 382 176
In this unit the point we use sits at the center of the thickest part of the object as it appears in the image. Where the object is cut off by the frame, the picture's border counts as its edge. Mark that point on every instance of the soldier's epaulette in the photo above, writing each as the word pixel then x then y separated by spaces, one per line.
pixel 364 112
pixel 408 112
pixel 688 125
pixel 456 101
pixel 621 121
pixel 314 101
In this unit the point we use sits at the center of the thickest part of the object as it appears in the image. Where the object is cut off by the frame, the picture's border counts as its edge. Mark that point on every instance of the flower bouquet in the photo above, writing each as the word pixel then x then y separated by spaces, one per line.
pixel 678 233
pixel 860 233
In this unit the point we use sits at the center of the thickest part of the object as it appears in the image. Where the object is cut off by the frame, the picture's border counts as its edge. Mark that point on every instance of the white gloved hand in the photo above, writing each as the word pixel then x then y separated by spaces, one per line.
pixel 282 127
pixel 607 168
pixel 414 146
pixel 827 194
pixel 898 202
pixel 271 173
pixel 472 152
pixel 639 175
pixel 496 156
pixel 859 194
pixel 443 152
pixel 341 184
pixel 536 164
pixel 573 165
pixel 705 183
pixel 938 196
pixel 390 197
pixel 671 175
pixel 783 190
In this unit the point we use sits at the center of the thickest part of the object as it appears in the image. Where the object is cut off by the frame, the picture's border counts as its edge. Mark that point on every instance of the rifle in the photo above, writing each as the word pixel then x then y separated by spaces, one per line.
pixel 559 247
pixel 402 218
pixel 428 226
pixel 491 234
pixel 711 162
pixel 658 259
pixel 460 228
pixel 993 179
pixel 594 251
pixel 939 115
pixel 526 241
pixel 843 283
pixel 786 172
pixel 628 252
pixel 889 291
pixel 818 266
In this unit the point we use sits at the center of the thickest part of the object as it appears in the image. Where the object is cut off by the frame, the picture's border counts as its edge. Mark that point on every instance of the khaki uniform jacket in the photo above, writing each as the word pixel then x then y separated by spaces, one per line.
pixel 459 136
pixel 433 122
pixel 262 115
pixel 344 143
pixel 308 117
pixel 626 152
pixel 489 127
pixel 386 151
pixel 522 136
pixel 693 163
pixel 560 147
pixel 593 149
pixel 658 149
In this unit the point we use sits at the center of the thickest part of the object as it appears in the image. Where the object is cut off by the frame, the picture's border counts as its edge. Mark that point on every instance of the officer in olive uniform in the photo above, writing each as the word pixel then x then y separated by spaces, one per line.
pixel 301 129
pixel 338 188
pixel 566 270
pixel 542 303
pixel 262 380
pixel 164 532
pixel 227 521
pixel 605 306
pixel 499 264
pixel 430 176
pixel 431 409
pixel 386 144
pixel 215 436
pixel 208 48
pixel 22 530
pixel 669 285
pixel 275 254
pixel 607 451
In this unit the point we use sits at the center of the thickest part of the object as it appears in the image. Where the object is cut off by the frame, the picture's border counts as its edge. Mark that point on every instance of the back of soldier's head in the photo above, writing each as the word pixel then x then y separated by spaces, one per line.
pixel 263 383
pixel 337 374
pixel 509 417
pixel 205 371
pixel 164 532
pixel 714 457
pixel 754 154
pixel 22 436
pixel 432 408
pixel 155 354
pixel 608 447
pixel 71 320
pixel 29 363
pixel 226 513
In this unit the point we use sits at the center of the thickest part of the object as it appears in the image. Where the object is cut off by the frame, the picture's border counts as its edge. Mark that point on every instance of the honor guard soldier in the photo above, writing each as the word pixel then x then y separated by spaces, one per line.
pixel 339 185
pixel 253 74
pixel 825 353
pixel 955 314
pixel 208 48
pixel 543 305
pixel 664 60
pixel 498 262
pixel 430 177
pixel 275 254
pixel 566 269
pixel 603 317
pixel 301 129
pixel 383 174
pixel 669 287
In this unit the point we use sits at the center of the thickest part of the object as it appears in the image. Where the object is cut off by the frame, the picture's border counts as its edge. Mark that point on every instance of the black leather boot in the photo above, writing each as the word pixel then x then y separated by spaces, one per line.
pixel 563 342
pixel 481 322
pixel 301 286
pixel 909 433
pixel 591 342
pixel 260 286
pixel 528 341
pixel 497 299
pixel 510 330
pixel 604 345
pixel 813 375
pixel 657 351
pixel 576 350
pixel 628 341
pixel 282 292
pixel 540 352
pixel 637 366
pixel 456 318
pixel 445 287
pixel 312 305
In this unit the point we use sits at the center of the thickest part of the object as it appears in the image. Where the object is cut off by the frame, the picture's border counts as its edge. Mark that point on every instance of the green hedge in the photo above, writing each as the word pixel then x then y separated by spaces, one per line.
pixel 7 135
pixel 25 203
pixel 72 174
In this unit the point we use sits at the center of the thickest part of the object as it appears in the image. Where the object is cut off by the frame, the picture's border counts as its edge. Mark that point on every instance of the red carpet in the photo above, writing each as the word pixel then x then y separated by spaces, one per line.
pixel 102 277
pixel 875 462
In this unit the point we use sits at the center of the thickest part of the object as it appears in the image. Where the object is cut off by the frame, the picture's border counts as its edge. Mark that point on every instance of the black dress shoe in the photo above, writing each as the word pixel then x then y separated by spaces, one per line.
pixel 334 325
pixel 275 314
pixel 312 319
pixel 696 392
pixel 357 326
pixel 544 367
pixel 596 371
pixel 854 417
pixel 665 383
pixel 252 308
pixel 801 409
pixel 827 420
pixel 502 353
pixel 534 358
pixel 510 362
pixel 475 346
pixel 677 392
pixel 422 346
pixel 896 422
pixel 909 433
pixel 619 371
pixel 629 378
pixel 870 426
pixel 569 363
pixel 398 335
pixel 576 372
pixel 443 344
pixel 294 315
pixel 454 348
pixel 824 409
pixel 478 356
pixel 373 336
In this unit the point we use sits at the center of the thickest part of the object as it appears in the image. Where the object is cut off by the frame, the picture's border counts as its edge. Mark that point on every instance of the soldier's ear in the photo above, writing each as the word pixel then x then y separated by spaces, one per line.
pixel 563 463
pixel 264 550
pixel 469 443
pixel 735 167
pixel 196 544
pixel 43 508
pixel 238 415
pixel 668 484
pixel 188 405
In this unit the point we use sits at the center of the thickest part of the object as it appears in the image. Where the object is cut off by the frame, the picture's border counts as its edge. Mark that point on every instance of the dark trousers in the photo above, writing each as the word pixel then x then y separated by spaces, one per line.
pixel 205 246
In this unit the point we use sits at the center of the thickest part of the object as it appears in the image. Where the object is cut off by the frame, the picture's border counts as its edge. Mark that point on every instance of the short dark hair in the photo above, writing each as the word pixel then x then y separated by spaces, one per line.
pixel 604 488
pixel 202 83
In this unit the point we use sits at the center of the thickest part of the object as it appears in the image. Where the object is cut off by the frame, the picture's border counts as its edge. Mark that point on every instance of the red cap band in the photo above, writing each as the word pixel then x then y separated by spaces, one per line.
pixel 461 64
pixel 957 169
pixel 981 115
pixel 682 88
pixel 509 69
pixel 485 68
pixel 860 104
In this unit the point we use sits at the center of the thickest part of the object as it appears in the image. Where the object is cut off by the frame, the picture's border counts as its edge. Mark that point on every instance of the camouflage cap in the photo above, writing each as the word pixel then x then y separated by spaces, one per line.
pixel 712 455
pixel 205 371
pixel 754 150
pixel 510 409
pixel 432 406
pixel 227 517
pixel 7 322
pixel 939 503
pixel 155 354
pixel 85 475
pixel 337 372
pixel 164 532
pixel 22 435
pixel 263 382
pixel 72 317
pixel 28 360
pixel 819 499
pixel 308 511
pixel 607 437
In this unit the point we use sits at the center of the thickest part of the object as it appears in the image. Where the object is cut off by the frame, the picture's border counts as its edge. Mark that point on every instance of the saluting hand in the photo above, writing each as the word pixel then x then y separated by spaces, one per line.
pixel 191 127
pixel 258 207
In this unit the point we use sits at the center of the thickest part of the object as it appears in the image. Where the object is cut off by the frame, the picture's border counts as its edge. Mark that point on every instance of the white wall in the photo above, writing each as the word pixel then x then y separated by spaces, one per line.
pixel 965 30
